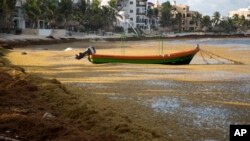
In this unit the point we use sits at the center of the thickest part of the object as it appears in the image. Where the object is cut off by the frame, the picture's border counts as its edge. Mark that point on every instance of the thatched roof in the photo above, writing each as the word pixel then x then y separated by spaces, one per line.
pixel 68 23
pixel 72 23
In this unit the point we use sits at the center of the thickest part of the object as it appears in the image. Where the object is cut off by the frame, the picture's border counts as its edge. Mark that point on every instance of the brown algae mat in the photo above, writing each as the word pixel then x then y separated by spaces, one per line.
pixel 156 102
pixel 33 108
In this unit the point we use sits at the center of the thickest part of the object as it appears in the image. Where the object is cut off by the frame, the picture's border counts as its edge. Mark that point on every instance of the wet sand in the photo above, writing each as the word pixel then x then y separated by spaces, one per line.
pixel 188 102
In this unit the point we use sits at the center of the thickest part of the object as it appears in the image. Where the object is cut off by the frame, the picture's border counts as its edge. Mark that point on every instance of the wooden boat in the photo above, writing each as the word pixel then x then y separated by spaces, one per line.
pixel 179 58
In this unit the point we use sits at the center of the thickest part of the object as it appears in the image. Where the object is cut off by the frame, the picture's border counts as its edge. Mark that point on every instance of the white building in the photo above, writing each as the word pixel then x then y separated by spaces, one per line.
pixel 241 12
pixel 135 12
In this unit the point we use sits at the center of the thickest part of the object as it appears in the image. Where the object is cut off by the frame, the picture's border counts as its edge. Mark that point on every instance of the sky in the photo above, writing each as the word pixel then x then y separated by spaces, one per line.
pixel 208 7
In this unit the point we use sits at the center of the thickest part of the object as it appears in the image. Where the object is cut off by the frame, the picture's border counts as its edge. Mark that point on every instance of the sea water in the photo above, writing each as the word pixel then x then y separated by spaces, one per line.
pixel 240 43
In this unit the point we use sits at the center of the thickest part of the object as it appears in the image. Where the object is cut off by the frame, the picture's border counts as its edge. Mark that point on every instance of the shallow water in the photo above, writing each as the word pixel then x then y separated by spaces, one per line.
pixel 242 43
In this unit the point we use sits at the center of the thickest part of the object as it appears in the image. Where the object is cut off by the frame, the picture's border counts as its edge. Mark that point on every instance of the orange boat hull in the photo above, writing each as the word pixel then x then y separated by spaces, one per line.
pixel 178 58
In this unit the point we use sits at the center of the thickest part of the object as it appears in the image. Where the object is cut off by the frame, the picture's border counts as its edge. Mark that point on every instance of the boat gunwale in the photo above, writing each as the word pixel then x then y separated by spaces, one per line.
pixel 153 57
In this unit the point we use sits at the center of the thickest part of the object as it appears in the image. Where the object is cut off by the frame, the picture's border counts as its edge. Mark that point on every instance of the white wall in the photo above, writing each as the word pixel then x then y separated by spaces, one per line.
pixel 131 15
pixel 44 32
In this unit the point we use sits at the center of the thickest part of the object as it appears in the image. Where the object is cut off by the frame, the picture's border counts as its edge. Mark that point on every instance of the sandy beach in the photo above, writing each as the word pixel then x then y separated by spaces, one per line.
pixel 187 102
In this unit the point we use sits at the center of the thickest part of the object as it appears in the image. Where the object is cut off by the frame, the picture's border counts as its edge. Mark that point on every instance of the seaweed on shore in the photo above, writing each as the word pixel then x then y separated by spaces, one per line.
pixel 33 108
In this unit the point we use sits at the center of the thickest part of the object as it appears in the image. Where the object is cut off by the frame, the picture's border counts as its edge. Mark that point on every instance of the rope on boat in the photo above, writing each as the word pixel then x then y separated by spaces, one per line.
pixel 161 46
pixel 203 58
pixel 217 58
pixel 123 38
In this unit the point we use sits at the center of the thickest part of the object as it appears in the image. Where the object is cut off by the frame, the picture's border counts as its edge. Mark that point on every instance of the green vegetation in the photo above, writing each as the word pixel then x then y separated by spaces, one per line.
pixel 91 16
pixel 66 14
pixel 166 14
pixel 229 25
pixel 206 23
pixel 152 12
pixel 6 9
pixel 172 19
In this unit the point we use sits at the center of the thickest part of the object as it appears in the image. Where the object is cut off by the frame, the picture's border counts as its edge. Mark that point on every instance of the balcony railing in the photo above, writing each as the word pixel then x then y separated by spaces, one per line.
pixel 142 21
pixel 140 5
pixel 140 13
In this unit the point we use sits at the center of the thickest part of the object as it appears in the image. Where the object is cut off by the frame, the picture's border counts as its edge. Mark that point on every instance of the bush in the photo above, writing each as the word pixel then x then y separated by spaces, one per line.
pixel 82 29
pixel 130 30
pixel 118 29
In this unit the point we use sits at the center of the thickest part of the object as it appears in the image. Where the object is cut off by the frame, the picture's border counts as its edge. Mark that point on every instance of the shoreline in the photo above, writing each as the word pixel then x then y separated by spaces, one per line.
pixel 40 40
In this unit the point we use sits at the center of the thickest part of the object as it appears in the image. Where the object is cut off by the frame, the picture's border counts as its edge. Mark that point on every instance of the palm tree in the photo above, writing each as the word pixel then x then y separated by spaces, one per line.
pixel 6 10
pixel 80 11
pixel 109 17
pixel 49 9
pixel 236 19
pixel 66 9
pixel 216 18
pixel 196 18
pixel 166 14
pixel 64 13
pixel 231 26
pixel 33 11
pixel 240 22
pixel 227 25
pixel 243 23
pixel 206 23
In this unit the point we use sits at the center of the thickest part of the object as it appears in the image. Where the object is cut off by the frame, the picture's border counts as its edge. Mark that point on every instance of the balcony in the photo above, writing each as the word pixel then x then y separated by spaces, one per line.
pixel 140 13
pixel 141 21
pixel 141 4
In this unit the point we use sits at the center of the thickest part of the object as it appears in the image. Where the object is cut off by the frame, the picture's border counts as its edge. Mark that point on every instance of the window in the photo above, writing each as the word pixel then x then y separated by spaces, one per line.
pixel 191 22
pixel 131 2
pixel 188 15
pixel 131 19
pixel 131 11
pixel 184 8
pixel 248 15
